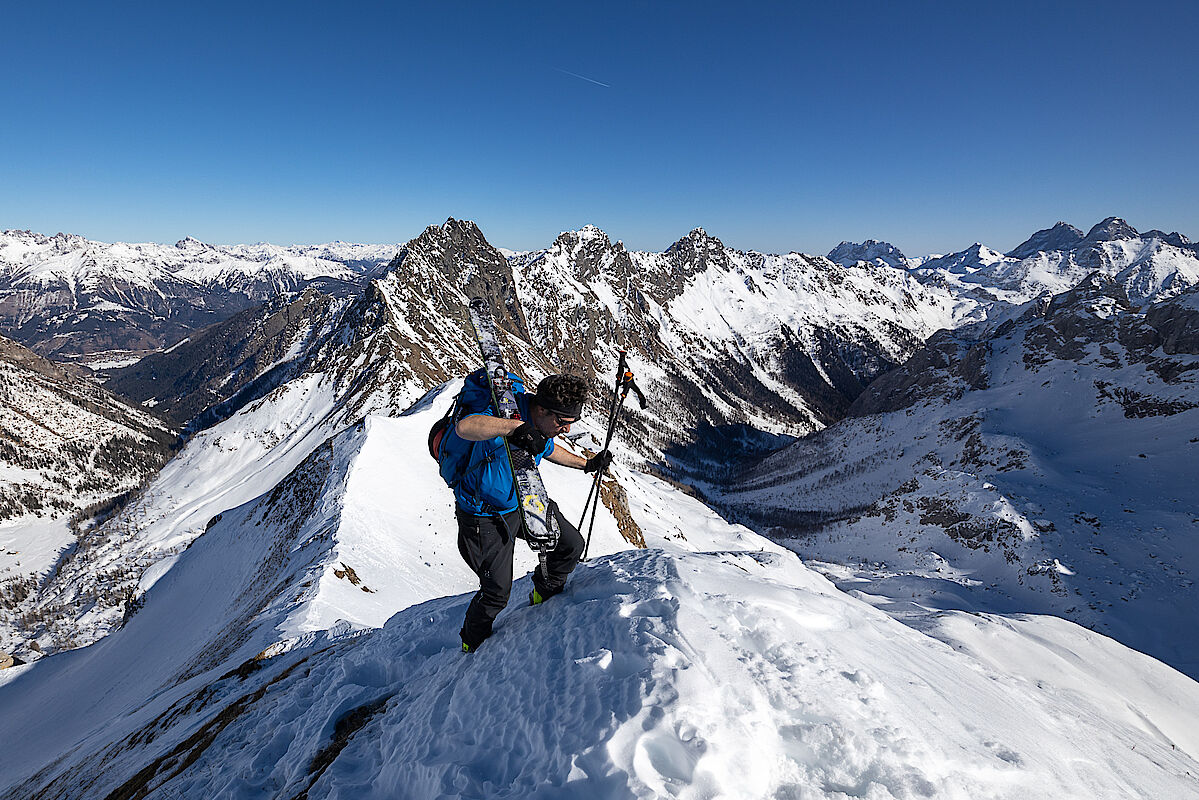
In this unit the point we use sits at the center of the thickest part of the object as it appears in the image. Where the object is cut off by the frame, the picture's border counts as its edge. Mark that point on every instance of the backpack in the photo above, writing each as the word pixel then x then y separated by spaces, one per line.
pixel 474 398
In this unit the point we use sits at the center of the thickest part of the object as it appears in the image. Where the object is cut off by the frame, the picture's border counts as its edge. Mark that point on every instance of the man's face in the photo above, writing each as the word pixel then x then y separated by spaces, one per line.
pixel 551 423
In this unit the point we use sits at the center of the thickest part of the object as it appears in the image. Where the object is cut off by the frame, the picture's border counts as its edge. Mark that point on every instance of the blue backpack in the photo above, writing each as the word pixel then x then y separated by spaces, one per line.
pixel 474 398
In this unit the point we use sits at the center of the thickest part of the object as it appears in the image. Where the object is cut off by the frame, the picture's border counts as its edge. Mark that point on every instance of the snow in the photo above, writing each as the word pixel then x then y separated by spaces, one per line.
pixel 112 363
pixel 714 664
pixel 675 684
pixel 31 545
pixel 36 261
pixel 303 579
pixel 1063 503
pixel 1148 268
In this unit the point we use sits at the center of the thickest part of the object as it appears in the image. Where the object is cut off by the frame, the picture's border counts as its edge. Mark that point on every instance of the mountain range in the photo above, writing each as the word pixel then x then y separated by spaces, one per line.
pixel 987 480
pixel 108 304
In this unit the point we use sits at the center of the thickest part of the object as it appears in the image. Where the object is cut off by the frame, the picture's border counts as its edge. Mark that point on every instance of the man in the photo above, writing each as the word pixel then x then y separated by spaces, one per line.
pixel 487 508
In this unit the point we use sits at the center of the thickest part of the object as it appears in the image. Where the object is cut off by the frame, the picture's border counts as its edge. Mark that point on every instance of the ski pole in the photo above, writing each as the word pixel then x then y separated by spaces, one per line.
pixel 624 382
pixel 599 476
pixel 620 370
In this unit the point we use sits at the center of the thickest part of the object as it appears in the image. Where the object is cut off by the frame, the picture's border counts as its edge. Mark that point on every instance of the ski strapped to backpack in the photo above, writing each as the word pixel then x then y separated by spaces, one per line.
pixel 541 527
pixel 455 461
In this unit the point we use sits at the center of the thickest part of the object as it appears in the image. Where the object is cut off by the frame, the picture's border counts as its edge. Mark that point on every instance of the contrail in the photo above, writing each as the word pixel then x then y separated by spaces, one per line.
pixel 583 78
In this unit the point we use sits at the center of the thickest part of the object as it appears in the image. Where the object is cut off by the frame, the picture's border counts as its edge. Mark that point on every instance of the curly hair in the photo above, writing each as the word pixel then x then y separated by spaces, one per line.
pixel 566 394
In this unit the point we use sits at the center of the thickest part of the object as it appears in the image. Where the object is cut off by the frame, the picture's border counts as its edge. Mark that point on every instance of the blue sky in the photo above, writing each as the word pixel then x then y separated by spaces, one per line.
pixel 775 126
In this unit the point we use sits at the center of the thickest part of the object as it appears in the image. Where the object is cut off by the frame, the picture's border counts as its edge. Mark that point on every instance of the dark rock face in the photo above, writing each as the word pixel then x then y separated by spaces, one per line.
pixel 1071 322
pixel 1061 236
pixel 1177 323
pixel 947 366
pixel 693 254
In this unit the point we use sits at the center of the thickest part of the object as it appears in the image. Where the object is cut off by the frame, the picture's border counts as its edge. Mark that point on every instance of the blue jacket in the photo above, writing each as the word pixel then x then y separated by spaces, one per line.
pixel 486 484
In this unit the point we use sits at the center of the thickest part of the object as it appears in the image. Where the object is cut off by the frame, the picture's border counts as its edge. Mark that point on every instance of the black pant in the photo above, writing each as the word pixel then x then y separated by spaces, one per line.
pixel 486 544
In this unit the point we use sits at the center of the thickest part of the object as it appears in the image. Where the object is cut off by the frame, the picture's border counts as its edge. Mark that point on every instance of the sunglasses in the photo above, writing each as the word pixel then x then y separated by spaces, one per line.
pixel 562 420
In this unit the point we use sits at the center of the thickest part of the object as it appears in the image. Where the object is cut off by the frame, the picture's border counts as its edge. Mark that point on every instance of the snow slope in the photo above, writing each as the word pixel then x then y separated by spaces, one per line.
pixel 306 645
pixel 65 443
pixel 1043 462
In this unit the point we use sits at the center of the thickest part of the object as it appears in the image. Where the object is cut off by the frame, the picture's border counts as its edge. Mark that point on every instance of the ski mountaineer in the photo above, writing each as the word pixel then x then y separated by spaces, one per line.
pixel 489 518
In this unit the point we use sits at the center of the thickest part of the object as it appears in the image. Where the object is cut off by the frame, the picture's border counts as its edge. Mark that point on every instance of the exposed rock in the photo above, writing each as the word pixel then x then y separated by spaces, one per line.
pixel 848 253
pixel 1177 322
pixel 1061 236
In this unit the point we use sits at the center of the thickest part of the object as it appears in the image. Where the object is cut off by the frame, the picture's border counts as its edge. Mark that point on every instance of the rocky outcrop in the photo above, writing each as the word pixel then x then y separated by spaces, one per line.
pixel 1177 323
pixel 871 250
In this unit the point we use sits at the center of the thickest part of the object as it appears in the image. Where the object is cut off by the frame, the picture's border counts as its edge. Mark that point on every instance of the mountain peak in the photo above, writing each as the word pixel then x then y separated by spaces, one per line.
pixel 453 233
pixel 1174 238
pixel 849 253
pixel 585 235
pixel 460 226
pixel 697 240
pixel 1110 230
pixel 1062 236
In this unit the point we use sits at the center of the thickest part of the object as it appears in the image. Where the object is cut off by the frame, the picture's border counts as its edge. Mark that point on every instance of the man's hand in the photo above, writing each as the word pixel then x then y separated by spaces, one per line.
pixel 529 439
pixel 599 461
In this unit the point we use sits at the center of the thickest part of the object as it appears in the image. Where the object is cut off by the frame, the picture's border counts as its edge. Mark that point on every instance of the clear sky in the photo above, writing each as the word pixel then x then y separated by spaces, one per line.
pixel 775 126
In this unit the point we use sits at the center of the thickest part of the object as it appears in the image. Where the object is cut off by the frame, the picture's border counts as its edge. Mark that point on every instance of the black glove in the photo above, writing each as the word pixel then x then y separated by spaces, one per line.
pixel 529 439
pixel 599 461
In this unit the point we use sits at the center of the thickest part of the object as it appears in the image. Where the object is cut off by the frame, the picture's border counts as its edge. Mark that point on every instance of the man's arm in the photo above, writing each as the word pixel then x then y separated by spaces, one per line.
pixel 481 427
pixel 566 458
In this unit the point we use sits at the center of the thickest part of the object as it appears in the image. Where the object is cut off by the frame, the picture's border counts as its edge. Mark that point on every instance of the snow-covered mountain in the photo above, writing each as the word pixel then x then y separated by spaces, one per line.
pixel 872 251
pixel 726 344
pixel 1043 461
pixel 784 342
pixel 276 613
pixel 104 304
pixel 69 451
pixel 306 646
pixel 1062 236
pixel 781 343
pixel 66 443
pixel 1149 266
